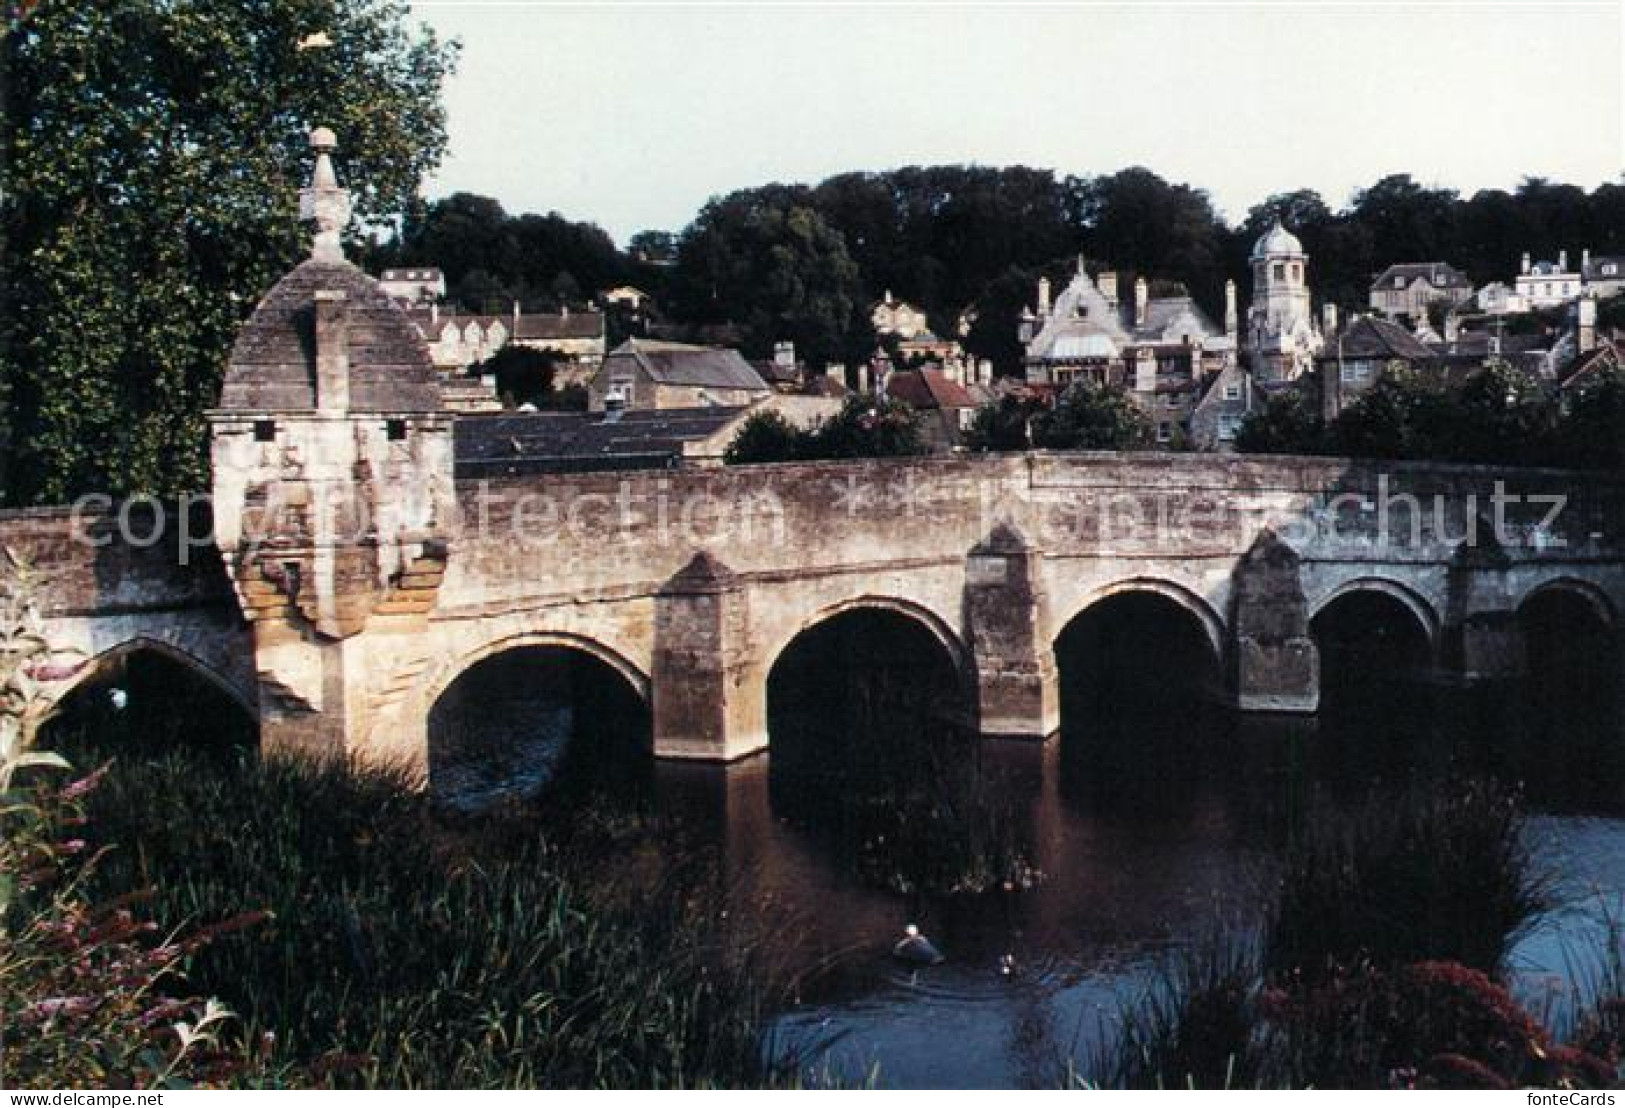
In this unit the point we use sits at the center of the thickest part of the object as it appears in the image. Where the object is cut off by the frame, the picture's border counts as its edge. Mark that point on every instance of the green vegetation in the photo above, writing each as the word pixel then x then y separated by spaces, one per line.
pixel 863 428
pixel 149 162
pixel 1087 416
pixel 1381 964
pixel 397 950
pixel 1497 416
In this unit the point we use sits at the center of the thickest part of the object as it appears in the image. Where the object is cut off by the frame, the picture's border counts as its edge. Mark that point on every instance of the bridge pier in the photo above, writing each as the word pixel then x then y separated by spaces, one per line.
pixel 1007 610
pixel 1276 665
pixel 704 705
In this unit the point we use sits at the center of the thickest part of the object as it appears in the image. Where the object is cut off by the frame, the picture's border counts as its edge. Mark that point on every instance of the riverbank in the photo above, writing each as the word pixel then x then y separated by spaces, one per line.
pixel 374 944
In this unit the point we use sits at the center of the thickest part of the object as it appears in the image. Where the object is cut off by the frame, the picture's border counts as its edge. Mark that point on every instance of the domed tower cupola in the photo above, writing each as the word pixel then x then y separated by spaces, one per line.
pixel 1280 324
pixel 332 452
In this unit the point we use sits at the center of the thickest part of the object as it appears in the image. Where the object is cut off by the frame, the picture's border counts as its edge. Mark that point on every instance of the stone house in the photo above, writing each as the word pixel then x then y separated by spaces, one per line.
pixel 1408 288
pixel 1357 356
pixel 945 406
pixel 649 374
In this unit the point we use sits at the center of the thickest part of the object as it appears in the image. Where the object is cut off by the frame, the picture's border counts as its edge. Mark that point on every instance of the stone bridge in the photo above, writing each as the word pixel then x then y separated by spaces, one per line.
pixel 691 584
pixel 348 576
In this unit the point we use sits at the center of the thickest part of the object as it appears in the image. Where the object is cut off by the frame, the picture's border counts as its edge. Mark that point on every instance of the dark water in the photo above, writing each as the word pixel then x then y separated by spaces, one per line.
pixel 1054 877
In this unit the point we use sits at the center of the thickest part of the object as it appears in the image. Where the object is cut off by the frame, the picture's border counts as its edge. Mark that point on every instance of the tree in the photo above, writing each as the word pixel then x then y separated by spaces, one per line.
pixel 1398 417
pixel 1498 415
pixel 1134 219
pixel 523 375
pixel 152 152
pixel 1003 424
pixel 1091 416
pixel 766 262
pixel 1286 424
pixel 1593 429
pixel 865 428
pixel 765 437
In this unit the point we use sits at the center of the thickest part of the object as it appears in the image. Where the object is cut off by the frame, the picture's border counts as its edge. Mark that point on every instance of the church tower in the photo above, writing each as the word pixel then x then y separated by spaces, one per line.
pixel 1281 335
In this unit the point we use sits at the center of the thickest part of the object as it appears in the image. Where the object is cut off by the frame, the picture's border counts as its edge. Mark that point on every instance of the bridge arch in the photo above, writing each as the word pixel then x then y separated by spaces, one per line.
pixel 165 693
pixel 1594 598
pixel 869 697
pixel 137 644
pixel 1427 618
pixel 939 628
pixel 443 676
pixel 1192 602
pixel 526 711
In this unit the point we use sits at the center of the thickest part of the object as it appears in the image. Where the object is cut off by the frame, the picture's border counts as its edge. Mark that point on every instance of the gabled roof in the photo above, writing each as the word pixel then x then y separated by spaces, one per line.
pixel 1607 355
pixel 928 389
pixel 1438 274
pixel 1163 312
pixel 676 363
pixel 1368 337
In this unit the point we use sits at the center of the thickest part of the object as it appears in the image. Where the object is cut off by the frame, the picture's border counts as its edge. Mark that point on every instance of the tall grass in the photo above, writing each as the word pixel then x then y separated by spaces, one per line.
pixel 1376 967
pixel 403 953
pixel 1441 874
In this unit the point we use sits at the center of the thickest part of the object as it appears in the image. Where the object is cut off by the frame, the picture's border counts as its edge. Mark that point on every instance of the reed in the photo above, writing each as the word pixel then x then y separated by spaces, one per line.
pixel 401 951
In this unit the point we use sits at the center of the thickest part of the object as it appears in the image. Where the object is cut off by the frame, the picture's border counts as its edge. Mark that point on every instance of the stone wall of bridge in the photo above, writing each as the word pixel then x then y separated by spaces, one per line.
pixel 107 585
pixel 692 583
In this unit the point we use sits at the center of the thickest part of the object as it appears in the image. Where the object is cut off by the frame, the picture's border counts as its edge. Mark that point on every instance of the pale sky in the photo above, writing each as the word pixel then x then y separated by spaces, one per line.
pixel 631 115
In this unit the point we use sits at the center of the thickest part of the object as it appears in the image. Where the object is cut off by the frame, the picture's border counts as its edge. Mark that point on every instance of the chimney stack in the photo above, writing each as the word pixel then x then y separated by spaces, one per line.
pixel 1107 284
pixel 332 351
pixel 863 378
pixel 1231 319
pixel 984 372
pixel 1142 293
pixel 1562 261
pixel 1328 319
pixel 1043 296
pixel 1587 338
pixel 1526 261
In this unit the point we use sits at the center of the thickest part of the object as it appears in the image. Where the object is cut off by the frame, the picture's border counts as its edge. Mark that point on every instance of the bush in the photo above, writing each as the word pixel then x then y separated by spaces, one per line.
pixel 861 429
pixel 765 437
pixel 1433 877
pixel 90 988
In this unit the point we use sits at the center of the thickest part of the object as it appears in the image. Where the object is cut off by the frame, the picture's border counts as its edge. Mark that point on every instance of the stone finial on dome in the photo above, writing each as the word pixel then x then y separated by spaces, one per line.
pixel 323 202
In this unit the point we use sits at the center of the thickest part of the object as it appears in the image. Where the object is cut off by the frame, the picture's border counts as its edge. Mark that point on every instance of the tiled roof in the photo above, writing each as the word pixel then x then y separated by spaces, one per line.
pixel 552 442
pixel 675 363
pixel 273 363
pixel 1368 337
pixel 576 325
pixel 928 388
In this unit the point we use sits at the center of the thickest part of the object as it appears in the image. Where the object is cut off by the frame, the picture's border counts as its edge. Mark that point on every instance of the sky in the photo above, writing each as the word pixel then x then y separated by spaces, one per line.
pixel 632 115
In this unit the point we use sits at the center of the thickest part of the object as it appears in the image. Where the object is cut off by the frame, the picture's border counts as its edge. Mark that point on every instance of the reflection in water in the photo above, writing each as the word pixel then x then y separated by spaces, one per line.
pixel 1153 818
pixel 531 717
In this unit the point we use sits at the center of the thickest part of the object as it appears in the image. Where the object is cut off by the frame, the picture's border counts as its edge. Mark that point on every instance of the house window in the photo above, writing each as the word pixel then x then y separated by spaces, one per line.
pixel 1228 426
pixel 1232 392
pixel 1165 431
pixel 265 430
pixel 1280 271
pixel 395 429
